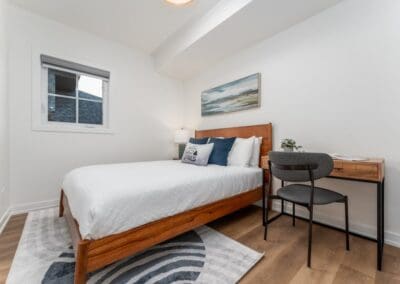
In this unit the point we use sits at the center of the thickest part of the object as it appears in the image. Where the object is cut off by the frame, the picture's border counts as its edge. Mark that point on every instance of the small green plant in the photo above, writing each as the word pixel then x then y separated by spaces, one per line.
pixel 289 145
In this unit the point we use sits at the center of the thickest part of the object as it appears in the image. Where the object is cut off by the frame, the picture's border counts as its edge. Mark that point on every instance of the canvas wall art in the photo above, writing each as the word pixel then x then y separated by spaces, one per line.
pixel 237 95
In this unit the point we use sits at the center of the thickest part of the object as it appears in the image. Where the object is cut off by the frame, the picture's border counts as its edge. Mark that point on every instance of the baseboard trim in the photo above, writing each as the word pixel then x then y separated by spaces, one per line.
pixel 33 206
pixel 25 208
pixel 391 238
pixel 4 219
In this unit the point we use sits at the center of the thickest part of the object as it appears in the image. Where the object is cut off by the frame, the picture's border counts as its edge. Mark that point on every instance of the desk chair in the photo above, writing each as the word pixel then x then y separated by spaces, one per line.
pixel 303 167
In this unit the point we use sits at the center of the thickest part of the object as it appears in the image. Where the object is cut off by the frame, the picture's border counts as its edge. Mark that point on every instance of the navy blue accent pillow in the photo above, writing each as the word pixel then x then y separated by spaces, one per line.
pixel 198 140
pixel 219 154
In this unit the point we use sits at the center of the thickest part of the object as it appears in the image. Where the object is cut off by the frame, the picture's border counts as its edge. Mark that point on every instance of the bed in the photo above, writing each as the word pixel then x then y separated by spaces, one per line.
pixel 109 225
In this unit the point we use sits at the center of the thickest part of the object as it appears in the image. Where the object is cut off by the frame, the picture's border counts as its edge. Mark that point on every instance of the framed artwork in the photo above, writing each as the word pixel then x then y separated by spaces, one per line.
pixel 237 95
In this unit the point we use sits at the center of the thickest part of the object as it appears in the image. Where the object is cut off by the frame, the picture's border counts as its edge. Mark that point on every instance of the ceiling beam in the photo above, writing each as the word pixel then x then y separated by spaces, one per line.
pixel 195 30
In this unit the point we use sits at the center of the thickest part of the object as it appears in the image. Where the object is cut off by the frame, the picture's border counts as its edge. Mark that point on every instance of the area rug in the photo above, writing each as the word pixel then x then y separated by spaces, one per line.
pixel 45 255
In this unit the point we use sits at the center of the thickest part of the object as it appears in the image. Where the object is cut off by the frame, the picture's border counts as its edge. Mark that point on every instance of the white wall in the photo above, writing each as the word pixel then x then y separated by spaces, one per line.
pixel 4 189
pixel 332 83
pixel 145 108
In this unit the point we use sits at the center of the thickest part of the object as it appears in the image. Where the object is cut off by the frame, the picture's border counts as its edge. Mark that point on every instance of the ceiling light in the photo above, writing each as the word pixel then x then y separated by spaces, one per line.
pixel 179 2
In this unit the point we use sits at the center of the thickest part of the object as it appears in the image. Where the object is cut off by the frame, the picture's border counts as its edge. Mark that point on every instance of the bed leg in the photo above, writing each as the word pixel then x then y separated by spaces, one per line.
pixel 81 261
pixel 61 208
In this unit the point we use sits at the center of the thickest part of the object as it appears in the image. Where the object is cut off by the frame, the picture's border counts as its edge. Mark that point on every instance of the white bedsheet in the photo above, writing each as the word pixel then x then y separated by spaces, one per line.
pixel 109 199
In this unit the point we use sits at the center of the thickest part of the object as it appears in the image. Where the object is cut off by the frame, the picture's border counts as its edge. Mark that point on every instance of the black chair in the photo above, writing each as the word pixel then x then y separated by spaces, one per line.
pixel 302 167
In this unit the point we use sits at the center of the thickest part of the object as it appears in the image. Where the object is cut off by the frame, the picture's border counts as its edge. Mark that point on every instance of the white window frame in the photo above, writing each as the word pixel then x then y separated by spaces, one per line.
pixel 40 121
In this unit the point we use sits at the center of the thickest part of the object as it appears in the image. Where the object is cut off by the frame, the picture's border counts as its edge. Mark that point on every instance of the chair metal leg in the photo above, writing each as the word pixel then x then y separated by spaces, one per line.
pixel 263 203
pixel 266 220
pixel 310 237
pixel 346 208
pixel 294 214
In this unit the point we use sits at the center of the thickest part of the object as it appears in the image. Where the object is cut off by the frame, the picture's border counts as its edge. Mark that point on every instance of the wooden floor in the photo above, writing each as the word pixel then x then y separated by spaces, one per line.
pixel 285 252
pixel 8 243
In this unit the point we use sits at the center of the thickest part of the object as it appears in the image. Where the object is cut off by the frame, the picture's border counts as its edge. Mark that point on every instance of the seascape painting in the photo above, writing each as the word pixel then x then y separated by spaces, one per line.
pixel 237 95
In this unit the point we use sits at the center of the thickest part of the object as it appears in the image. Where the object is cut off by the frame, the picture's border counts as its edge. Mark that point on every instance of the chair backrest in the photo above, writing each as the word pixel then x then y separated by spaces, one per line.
pixel 287 166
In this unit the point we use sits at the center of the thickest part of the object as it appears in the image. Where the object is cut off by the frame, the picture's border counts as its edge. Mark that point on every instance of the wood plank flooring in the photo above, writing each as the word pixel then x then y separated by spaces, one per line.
pixel 285 259
pixel 285 251
pixel 8 243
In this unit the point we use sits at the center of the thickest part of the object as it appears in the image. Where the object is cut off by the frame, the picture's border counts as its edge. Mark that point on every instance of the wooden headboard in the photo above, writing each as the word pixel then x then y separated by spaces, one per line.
pixel 262 130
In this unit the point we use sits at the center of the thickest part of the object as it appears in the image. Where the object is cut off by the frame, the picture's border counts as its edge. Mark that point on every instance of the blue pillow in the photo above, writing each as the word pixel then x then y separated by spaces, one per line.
pixel 198 140
pixel 219 154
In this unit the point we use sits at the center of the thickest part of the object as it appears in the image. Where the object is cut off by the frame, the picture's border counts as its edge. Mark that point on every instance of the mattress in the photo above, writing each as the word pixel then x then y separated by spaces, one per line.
pixel 109 199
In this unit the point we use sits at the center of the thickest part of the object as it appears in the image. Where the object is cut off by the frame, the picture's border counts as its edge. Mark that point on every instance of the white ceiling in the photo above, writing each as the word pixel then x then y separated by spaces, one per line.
pixel 142 24
pixel 256 21
pixel 183 40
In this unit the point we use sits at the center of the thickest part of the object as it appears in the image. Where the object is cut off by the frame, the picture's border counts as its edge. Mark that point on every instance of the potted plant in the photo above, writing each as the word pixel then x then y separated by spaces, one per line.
pixel 289 145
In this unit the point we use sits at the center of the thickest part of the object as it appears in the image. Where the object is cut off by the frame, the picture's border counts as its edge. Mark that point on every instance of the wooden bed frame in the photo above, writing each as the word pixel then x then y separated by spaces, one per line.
pixel 94 254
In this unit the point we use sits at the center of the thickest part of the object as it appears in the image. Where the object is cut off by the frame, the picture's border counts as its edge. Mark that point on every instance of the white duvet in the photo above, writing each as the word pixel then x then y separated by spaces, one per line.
pixel 109 199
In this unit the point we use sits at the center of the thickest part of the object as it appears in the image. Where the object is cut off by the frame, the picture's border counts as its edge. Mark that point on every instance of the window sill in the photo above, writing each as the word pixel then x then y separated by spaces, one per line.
pixel 72 129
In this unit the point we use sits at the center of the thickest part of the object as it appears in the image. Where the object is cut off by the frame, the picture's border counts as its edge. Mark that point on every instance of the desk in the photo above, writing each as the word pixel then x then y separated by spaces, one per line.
pixel 369 171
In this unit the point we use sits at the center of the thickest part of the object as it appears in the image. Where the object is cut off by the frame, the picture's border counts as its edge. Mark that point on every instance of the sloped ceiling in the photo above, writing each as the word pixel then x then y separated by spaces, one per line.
pixel 140 24
pixel 255 21
pixel 183 40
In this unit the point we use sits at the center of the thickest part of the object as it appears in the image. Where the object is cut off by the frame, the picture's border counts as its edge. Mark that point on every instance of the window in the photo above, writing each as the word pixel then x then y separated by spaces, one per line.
pixel 74 96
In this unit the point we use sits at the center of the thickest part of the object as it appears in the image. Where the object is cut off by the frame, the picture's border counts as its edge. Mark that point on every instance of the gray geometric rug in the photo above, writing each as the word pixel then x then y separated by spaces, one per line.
pixel 45 255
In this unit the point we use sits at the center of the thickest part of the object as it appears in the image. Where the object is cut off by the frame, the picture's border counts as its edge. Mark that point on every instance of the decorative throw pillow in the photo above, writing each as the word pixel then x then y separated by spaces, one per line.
pixel 198 140
pixel 219 154
pixel 255 156
pixel 197 154
pixel 241 152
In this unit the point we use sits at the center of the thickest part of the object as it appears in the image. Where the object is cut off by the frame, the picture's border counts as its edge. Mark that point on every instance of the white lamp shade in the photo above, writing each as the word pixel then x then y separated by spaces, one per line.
pixel 182 136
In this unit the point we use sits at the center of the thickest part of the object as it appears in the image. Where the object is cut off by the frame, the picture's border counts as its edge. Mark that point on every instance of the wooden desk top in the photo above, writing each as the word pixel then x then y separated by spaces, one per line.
pixel 371 170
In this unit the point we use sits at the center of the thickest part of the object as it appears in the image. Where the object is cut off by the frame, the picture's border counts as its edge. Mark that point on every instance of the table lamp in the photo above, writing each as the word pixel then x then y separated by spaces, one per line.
pixel 181 138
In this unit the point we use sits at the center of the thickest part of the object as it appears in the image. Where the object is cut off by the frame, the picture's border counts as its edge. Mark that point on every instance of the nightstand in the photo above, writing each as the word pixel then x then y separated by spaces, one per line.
pixel 264 162
pixel 267 189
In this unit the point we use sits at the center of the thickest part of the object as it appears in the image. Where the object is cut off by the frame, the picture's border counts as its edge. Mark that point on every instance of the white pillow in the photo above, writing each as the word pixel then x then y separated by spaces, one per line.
pixel 197 154
pixel 241 151
pixel 255 156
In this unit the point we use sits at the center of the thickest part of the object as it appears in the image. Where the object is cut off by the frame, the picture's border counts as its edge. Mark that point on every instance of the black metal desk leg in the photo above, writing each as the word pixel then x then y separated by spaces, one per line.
pixel 383 219
pixel 380 228
pixel 383 213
